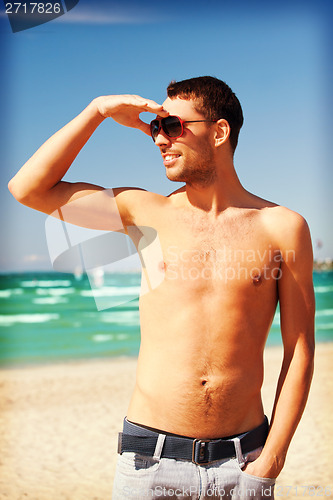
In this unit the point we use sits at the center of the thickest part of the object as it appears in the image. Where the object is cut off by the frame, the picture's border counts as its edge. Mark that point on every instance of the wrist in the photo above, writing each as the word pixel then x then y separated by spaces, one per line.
pixel 96 107
pixel 272 462
pixel 263 468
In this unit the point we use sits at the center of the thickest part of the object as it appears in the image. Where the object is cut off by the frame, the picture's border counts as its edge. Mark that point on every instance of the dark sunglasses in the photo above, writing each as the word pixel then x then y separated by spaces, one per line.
pixel 172 126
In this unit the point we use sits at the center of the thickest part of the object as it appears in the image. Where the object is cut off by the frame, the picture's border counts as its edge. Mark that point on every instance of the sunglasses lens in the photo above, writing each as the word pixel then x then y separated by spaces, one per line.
pixel 154 129
pixel 172 126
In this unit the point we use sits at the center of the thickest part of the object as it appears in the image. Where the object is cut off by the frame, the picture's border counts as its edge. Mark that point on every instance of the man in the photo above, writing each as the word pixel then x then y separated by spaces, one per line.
pixel 195 426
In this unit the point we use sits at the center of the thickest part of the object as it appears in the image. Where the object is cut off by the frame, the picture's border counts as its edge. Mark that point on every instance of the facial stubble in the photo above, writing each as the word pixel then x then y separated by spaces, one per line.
pixel 198 168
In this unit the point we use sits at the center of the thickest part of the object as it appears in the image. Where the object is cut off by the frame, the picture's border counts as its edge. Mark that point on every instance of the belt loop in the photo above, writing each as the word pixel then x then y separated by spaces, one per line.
pixel 239 453
pixel 159 446
pixel 120 440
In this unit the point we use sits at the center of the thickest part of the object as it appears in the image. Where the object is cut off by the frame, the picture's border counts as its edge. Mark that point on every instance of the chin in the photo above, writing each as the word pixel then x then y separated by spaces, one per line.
pixel 175 177
pixel 170 174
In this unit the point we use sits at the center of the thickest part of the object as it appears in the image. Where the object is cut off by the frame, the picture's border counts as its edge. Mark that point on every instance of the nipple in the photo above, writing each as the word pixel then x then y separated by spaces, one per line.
pixel 256 280
pixel 162 266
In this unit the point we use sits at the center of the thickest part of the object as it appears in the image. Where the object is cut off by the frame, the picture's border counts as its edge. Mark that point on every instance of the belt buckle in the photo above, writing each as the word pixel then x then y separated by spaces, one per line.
pixel 202 448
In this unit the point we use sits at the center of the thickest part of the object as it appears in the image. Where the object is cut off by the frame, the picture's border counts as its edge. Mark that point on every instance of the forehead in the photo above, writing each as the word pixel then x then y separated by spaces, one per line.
pixel 181 107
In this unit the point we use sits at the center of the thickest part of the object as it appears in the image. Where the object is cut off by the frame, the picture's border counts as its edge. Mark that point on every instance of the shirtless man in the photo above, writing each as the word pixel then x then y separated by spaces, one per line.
pixel 228 258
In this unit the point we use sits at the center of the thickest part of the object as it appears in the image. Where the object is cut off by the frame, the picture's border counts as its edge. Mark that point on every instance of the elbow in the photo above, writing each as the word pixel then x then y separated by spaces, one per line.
pixel 29 197
pixel 18 191
pixel 15 190
pixel 308 356
pixel 311 345
pixel 311 355
pixel 308 349
pixel 302 353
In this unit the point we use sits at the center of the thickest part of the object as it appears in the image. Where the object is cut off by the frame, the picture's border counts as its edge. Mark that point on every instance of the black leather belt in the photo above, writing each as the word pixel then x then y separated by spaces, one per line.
pixel 198 451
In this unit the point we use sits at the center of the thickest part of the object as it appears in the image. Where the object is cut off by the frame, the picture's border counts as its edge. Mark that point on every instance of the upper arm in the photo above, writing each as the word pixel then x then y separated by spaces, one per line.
pixel 89 205
pixel 295 285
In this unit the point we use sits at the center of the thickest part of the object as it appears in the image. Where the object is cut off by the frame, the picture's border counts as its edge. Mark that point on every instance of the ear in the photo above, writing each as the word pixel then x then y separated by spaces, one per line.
pixel 222 132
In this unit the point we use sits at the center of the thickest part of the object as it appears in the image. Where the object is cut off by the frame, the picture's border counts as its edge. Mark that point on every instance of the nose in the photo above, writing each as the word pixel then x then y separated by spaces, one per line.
pixel 162 139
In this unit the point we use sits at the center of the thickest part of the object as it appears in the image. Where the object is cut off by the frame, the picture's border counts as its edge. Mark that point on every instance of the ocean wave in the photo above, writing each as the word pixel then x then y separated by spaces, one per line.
pixel 324 312
pixel 4 294
pixel 11 319
pixel 111 291
pixel 45 283
pixel 131 317
pixel 324 326
pixel 50 300
pixel 323 289
pixel 55 291
pixel 107 337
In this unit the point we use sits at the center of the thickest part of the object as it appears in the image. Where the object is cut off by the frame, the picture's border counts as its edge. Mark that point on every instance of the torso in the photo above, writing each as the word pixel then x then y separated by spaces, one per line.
pixel 204 326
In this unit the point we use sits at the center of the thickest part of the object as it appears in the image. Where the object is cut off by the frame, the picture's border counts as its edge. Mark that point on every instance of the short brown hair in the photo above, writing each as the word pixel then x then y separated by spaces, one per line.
pixel 214 100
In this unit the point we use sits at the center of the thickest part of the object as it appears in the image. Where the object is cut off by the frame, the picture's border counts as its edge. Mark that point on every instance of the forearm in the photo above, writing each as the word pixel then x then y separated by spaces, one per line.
pixel 52 160
pixel 291 396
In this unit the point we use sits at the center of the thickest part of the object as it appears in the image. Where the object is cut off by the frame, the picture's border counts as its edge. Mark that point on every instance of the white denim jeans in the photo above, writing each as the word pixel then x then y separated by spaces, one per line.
pixel 139 477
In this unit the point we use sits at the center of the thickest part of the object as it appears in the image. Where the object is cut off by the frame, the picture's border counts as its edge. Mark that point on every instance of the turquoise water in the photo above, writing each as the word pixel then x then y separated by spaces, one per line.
pixel 48 317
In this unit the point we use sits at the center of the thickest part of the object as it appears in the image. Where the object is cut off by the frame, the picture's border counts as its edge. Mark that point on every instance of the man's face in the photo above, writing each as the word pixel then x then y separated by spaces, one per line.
pixel 190 158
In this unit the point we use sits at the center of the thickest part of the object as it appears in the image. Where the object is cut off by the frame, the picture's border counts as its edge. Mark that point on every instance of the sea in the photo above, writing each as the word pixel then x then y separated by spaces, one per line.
pixel 51 317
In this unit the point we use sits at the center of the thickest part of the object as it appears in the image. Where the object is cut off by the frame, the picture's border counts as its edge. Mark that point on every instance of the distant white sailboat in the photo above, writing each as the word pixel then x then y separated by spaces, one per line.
pixel 78 273
pixel 98 276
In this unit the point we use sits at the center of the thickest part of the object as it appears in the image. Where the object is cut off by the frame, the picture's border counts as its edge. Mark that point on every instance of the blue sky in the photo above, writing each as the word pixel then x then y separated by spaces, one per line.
pixel 274 55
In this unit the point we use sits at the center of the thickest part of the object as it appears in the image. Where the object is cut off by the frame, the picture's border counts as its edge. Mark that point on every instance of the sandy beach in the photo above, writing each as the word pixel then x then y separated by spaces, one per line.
pixel 59 424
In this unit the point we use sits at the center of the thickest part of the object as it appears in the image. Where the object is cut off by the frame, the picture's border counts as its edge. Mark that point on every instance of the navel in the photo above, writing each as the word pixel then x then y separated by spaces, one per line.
pixel 207 395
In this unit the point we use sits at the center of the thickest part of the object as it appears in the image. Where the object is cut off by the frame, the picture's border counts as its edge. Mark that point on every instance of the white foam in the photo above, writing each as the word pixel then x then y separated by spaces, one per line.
pixel 45 283
pixel 55 291
pixel 11 291
pixel 121 317
pixel 111 291
pixel 102 338
pixel 323 289
pixel 50 300
pixel 11 319
pixel 325 326
pixel 324 312
pixel 106 337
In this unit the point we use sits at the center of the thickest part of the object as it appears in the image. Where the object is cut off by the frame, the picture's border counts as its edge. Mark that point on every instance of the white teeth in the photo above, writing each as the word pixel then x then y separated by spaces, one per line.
pixel 171 157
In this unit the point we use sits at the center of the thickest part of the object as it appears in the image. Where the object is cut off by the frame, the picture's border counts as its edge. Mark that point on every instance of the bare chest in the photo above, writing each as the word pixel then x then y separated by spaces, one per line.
pixel 237 251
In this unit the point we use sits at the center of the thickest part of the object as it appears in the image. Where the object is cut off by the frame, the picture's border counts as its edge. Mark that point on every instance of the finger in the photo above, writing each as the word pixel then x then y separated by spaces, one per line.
pixel 162 112
pixel 154 107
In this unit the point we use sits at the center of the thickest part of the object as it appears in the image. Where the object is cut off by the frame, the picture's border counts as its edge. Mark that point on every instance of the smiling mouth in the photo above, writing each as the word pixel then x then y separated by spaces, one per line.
pixel 169 159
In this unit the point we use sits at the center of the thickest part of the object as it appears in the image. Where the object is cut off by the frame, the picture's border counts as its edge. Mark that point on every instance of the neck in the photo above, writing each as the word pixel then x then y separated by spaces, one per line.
pixel 226 191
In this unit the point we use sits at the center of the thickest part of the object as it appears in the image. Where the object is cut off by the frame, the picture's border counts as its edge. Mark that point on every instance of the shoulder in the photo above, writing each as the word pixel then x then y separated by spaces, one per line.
pixel 135 204
pixel 290 232
pixel 135 195
pixel 285 224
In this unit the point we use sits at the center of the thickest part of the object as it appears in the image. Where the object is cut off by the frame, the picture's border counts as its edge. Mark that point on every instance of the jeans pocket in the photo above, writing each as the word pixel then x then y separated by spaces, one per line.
pixel 256 488
pixel 131 463
pixel 251 457
pixel 135 477
pixel 250 487
pixel 266 480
